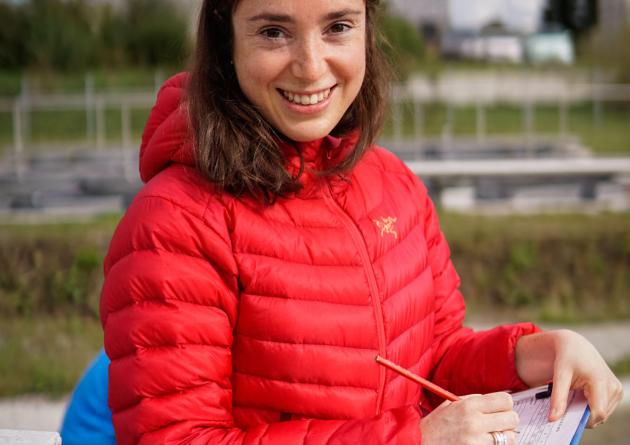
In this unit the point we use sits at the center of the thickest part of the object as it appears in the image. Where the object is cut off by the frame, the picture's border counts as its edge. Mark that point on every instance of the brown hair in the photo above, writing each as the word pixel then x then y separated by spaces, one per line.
pixel 236 148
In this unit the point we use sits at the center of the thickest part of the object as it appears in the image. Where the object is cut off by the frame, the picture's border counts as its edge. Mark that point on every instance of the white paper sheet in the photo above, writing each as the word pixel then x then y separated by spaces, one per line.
pixel 535 429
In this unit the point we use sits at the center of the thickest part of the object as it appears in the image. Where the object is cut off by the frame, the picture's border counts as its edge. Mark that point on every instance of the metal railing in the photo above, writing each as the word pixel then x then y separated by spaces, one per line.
pixel 409 102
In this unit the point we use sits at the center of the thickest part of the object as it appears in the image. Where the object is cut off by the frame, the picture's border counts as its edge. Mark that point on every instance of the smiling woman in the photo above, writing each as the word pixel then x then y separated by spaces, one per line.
pixel 275 251
pixel 302 71
pixel 277 71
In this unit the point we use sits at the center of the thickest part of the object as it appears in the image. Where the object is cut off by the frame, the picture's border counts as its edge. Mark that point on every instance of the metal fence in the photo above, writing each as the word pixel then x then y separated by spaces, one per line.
pixel 407 121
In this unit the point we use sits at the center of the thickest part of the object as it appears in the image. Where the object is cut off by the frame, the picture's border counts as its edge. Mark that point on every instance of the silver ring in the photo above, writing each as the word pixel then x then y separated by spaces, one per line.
pixel 499 438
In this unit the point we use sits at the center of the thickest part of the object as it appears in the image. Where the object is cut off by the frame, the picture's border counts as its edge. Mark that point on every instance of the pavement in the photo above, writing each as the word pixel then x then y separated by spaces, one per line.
pixel 40 413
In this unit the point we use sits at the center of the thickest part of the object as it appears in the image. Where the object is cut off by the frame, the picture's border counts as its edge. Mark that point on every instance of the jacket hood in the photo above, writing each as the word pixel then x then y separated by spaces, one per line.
pixel 168 139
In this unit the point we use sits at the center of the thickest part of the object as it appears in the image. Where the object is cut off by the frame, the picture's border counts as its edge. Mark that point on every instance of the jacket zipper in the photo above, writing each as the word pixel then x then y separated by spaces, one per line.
pixel 359 241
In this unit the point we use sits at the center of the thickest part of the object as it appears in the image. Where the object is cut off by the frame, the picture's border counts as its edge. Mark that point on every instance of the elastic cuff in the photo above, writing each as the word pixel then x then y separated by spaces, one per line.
pixel 518 331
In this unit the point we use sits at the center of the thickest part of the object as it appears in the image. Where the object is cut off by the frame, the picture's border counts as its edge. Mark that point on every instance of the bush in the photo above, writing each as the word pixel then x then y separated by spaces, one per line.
pixel 73 35
pixel 52 274
pixel 562 268
pixel 13 48
pixel 156 33
pixel 402 44
pixel 60 34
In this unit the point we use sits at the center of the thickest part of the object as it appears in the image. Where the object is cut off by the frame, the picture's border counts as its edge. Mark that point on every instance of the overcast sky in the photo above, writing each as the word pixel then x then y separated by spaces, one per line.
pixel 522 15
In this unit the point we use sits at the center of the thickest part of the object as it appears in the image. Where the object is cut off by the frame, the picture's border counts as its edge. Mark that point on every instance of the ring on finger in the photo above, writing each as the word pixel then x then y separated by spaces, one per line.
pixel 499 437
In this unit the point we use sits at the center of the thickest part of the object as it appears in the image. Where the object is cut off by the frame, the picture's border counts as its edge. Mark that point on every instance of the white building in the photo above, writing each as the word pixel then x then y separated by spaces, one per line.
pixel 423 11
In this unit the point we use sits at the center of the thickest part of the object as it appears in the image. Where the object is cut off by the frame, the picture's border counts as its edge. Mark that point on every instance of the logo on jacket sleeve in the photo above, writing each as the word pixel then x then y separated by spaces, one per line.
pixel 387 226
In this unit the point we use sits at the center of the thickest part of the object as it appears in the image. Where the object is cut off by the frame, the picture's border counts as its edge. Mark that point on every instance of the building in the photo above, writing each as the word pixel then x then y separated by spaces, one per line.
pixel 613 14
pixel 423 12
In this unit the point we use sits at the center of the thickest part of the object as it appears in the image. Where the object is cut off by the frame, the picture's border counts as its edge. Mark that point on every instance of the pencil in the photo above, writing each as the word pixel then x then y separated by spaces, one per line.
pixel 435 389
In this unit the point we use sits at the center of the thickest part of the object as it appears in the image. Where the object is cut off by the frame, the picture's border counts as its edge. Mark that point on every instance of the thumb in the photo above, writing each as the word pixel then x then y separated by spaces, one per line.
pixel 560 393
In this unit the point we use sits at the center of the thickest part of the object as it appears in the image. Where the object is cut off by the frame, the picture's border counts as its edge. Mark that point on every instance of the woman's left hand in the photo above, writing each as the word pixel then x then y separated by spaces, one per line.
pixel 571 362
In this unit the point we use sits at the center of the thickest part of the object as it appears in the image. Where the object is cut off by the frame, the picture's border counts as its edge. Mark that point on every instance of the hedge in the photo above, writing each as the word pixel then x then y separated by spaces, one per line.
pixel 561 268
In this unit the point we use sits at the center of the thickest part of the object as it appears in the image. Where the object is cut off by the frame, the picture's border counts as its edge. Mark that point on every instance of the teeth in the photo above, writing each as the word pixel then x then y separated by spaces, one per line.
pixel 312 99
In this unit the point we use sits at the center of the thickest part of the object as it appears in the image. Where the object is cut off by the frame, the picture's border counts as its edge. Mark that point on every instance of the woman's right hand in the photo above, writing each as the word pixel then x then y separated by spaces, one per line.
pixel 471 421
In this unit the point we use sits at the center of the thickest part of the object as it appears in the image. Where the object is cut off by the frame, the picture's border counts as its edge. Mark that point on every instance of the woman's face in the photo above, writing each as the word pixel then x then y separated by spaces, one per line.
pixel 301 63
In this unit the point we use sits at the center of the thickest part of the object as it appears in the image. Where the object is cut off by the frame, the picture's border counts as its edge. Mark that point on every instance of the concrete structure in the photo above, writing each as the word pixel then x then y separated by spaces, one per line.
pixel 546 47
pixel 491 46
pixel 614 14
pixel 423 11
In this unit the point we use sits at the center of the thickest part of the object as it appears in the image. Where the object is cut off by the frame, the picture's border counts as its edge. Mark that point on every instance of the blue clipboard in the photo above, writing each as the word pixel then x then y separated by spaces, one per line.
pixel 580 429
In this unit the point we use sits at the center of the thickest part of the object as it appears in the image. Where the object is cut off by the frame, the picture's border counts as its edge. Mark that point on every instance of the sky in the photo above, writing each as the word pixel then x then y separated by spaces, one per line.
pixel 521 15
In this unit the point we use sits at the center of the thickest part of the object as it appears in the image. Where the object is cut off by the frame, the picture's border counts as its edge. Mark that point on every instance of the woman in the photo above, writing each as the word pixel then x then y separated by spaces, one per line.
pixel 274 252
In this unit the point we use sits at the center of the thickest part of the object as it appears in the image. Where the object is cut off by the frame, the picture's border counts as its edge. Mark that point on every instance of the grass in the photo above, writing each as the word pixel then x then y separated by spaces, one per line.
pixel 621 367
pixel 61 127
pixel 45 355
pixel 607 134
pixel 74 81
pixel 97 228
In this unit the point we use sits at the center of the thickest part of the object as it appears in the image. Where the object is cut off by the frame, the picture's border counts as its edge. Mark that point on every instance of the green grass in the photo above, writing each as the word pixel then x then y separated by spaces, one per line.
pixel 610 135
pixel 554 268
pixel 621 367
pixel 94 229
pixel 74 82
pixel 60 127
pixel 44 354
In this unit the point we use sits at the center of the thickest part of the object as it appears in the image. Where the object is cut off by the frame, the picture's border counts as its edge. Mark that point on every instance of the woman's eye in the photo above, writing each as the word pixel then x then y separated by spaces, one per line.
pixel 339 28
pixel 272 33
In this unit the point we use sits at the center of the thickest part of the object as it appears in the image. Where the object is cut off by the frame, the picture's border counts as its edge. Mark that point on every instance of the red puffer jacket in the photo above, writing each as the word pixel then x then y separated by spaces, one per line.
pixel 228 322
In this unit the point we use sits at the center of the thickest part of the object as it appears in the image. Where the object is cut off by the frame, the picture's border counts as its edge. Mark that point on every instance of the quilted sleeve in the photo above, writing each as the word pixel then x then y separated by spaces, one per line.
pixel 168 308
pixel 465 361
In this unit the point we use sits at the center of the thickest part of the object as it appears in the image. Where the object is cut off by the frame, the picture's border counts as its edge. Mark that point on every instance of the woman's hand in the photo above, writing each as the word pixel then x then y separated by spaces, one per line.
pixel 471 421
pixel 571 362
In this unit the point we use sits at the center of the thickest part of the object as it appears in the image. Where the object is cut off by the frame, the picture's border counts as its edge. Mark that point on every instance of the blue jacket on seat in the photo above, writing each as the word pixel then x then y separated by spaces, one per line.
pixel 88 419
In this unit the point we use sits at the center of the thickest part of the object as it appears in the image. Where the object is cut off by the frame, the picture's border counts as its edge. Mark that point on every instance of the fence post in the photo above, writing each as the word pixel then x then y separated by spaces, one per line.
pixel 158 79
pixel 528 125
pixel 125 124
pixel 447 131
pixel 126 140
pixel 18 141
pixel 89 107
pixel 25 97
pixel 563 116
pixel 597 102
pixel 418 123
pixel 397 115
pixel 100 124
pixel 481 122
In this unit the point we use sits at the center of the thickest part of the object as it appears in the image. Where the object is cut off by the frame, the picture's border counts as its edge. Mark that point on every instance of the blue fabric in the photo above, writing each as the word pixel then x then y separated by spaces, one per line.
pixel 88 419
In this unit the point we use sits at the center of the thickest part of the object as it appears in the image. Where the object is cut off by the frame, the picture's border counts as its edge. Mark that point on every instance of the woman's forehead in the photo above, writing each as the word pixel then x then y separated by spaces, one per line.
pixel 307 9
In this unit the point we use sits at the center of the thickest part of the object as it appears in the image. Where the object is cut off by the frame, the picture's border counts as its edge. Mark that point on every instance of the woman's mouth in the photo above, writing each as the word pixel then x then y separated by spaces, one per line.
pixel 306 99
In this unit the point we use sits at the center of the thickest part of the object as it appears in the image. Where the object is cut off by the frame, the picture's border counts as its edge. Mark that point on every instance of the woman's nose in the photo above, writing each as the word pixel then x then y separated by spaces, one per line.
pixel 309 60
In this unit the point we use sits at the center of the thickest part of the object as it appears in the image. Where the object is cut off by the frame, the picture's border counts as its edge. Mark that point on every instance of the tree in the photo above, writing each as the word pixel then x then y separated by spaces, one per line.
pixel 14 52
pixel 402 44
pixel 59 34
pixel 156 33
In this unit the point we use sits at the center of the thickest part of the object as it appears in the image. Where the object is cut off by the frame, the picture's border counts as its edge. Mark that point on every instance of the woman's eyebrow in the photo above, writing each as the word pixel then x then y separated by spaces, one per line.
pixel 284 18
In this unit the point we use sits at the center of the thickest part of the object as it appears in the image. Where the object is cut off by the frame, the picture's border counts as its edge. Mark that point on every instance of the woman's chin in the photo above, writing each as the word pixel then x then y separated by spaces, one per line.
pixel 307 133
